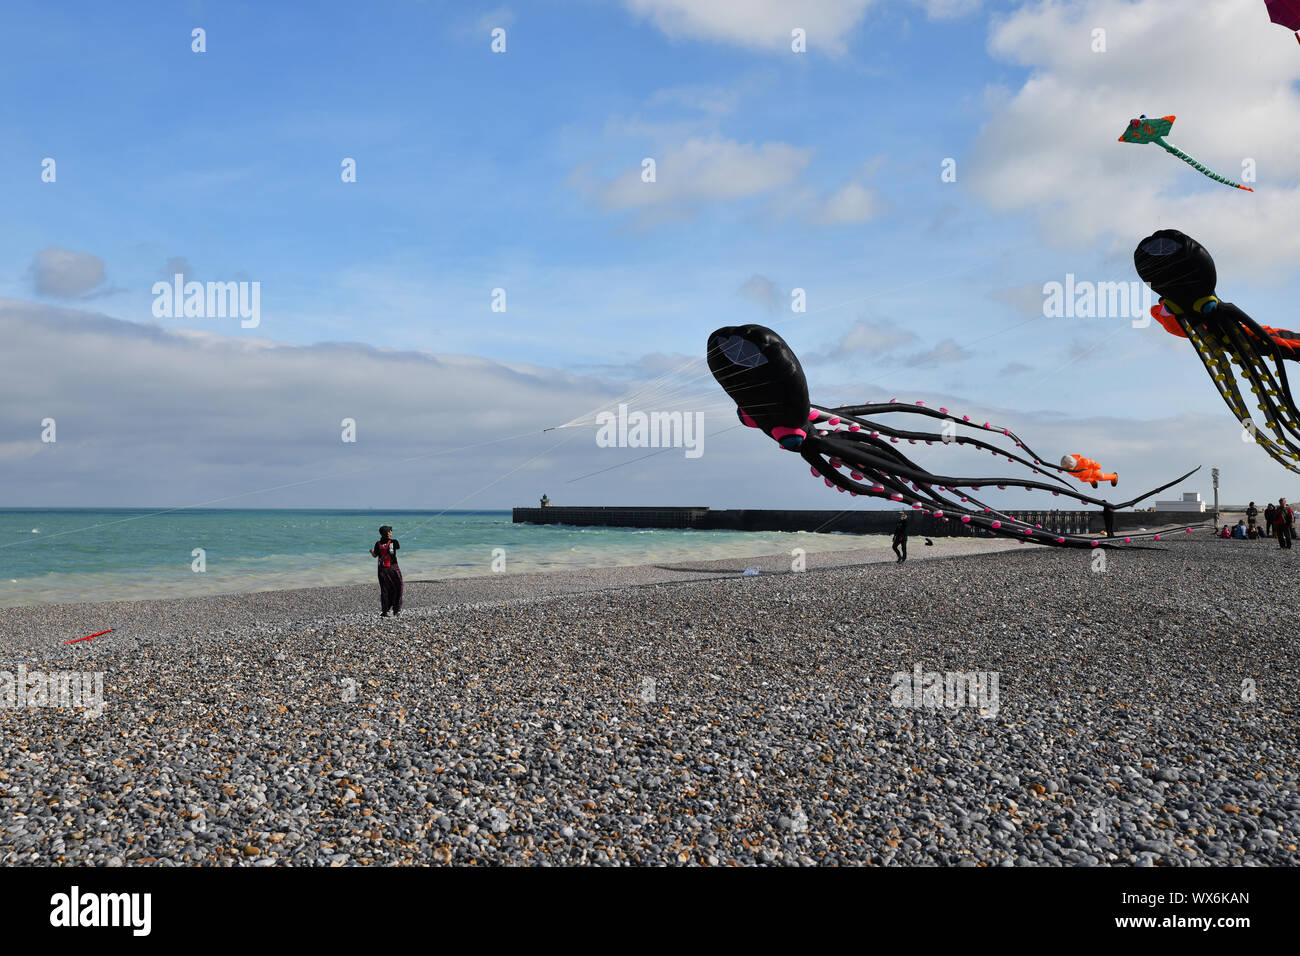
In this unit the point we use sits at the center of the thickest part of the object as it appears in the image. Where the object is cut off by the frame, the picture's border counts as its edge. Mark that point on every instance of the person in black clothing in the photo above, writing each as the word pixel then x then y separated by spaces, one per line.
pixel 1268 520
pixel 900 538
pixel 1284 521
pixel 390 575
pixel 1251 514
pixel 1108 516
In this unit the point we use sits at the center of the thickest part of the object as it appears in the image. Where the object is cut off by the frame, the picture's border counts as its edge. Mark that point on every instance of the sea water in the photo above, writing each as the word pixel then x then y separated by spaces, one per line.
pixel 74 554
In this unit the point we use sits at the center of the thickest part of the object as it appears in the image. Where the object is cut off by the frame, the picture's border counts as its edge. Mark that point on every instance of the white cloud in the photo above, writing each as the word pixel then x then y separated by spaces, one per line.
pixel 851 204
pixel 172 419
pixel 949 9
pixel 1051 146
pixel 872 338
pixel 708 170
pixel 65 274
pixel 756 24
pixel 944 353
pixel 763 291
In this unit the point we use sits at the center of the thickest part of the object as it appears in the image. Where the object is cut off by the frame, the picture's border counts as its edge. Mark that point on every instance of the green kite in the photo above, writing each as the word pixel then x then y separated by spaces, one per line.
pixel 1143 130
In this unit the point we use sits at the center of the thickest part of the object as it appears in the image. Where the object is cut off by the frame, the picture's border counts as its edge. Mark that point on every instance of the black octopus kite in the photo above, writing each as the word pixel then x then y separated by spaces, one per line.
pixel 1182 273
pixel 856 455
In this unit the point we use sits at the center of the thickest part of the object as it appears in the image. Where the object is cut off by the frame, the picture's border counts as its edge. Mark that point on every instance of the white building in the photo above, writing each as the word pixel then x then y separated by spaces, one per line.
pixel 1191 501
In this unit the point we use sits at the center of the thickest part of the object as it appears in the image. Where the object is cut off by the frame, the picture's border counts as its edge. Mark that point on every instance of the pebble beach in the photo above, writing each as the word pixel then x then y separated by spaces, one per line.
pixel 1144 715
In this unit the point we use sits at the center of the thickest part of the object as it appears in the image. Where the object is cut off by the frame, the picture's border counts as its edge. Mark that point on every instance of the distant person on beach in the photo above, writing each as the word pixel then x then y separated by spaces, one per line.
pixel 1239 531
pixel 900 538
pixel 1284 523
pixel 1224 532
pixel 1108 516
pixel 1268 520
pixel 390 575
pixel 1251 514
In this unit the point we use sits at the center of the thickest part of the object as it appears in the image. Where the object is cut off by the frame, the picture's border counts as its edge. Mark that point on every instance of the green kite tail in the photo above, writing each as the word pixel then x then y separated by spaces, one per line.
pixel 1149 130
pixel 1170 147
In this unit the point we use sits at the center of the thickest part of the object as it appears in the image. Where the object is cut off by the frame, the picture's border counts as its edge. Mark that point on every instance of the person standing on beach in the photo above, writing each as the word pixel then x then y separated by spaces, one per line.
pixel 1268 520
pixel 1108 517
pixel 390 575
pixel 900 538
pixel 1283 519
pixel 1251 514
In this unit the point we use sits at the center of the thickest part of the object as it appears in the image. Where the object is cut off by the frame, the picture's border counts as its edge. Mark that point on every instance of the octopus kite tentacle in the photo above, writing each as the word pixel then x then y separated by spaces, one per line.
pixel 1182 273
pixel 860 455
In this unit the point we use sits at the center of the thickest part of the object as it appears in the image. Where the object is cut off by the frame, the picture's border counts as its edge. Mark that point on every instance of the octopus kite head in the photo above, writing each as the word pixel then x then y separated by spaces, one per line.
pixel 765 380
pixel 1179 269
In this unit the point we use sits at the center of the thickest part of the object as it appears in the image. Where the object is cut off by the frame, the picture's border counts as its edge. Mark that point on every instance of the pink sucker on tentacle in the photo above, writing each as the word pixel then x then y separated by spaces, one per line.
pixel 833 421
pixel 1095 543
pixel 813 415
pixel 855 428
pixel 1157 538
pixel 988 511
pixel 875 435
pixel 838 488
pixel 937 514
pixel 943 411
pixel 893 401
pixel 829 483
pixel 781 432
pixel 877 487
pixel 987 425
pixel 1029 531
pixel 856 476
pixel 965 418
pixel 921 403
pixel 749 422
pixel 1060 541
pixel 916 505
pixel 1189 530
pixel 836 463
pixel 815 472
pixel 853 494
pixel 1128 540
pixel 896 497
pixel 965 519
pixel 996 524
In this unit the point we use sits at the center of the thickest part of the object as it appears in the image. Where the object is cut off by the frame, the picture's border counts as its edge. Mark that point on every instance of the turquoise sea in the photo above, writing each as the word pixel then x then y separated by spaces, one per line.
pixel 67 555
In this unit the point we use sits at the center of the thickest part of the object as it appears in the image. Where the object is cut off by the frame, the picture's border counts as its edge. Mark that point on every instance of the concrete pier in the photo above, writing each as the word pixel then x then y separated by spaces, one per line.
pixel 879 521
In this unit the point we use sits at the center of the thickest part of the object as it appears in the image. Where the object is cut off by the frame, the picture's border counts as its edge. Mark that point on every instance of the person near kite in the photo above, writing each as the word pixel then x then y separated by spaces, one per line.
pixel 390 575
pixel 859 455
pixel 900 538
pixel 1181 271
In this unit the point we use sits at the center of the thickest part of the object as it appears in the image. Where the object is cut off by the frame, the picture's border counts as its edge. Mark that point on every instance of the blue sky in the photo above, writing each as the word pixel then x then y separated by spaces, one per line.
pixel 519 170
